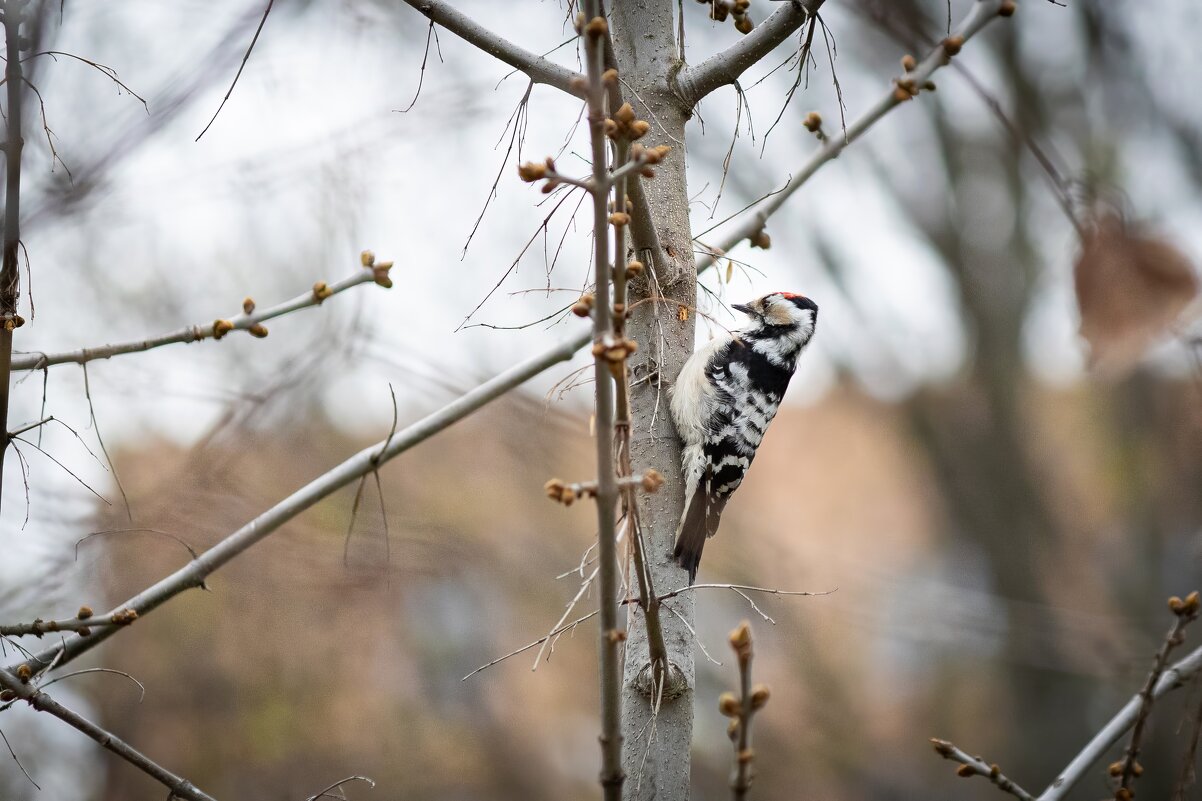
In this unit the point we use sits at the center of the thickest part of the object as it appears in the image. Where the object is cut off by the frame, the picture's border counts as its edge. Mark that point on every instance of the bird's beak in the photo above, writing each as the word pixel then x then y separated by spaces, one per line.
pixel 741 307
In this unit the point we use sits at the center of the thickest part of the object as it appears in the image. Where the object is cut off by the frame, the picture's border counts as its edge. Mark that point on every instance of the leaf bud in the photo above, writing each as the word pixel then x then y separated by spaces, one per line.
pixel 729 705
pixel 529 172
pixel 221 328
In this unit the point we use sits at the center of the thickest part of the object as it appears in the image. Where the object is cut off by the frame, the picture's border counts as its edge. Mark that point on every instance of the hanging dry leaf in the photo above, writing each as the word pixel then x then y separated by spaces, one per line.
pixel 1131 287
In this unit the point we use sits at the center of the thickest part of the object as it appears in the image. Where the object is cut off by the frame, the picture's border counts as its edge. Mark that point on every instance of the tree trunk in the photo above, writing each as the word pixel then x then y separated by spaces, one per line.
pixel 656 746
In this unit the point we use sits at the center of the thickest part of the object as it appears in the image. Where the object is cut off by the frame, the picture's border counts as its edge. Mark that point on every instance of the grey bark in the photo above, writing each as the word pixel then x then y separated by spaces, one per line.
pixel 655 752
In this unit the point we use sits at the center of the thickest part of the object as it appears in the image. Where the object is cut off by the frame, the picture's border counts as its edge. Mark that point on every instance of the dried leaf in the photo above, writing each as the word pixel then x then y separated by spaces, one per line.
pixel 1131 287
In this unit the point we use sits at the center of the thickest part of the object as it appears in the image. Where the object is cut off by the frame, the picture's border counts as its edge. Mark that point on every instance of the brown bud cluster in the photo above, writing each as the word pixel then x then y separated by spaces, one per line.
pixel 623 125
pixel 258 330
pixel 652 480
pixel 7 695
pixel 908 63
pixel 609 77
pixel 953 44
pixel 321 291
pixel 720 10
pixel 84 612
pixel 221 328
pixel 614 350
pixel 379 271
pixel 534 171
pixel 905 88
pixel 1185 608
pixel 616 635
pixel 24 673
pixel 728 705
pixel 567 494
pixel 596 27
pixel 248 305
pixel 124 617
pixel 813 122
pixel 584 306
pixel 760 239
pixel 1008 8
pixel 634 269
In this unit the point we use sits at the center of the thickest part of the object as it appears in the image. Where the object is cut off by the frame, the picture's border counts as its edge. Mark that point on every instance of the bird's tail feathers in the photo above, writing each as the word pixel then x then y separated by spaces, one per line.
pixel 699 523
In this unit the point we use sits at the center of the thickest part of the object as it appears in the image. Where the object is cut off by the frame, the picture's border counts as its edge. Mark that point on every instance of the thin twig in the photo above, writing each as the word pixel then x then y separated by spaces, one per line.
pixel 325 793
pixel 1186 612
pixel 112 468
pixel 539 641
pixel 975 766
pixel 192 333
pixel 141 686
pixel 40 701
pixel 17 759
pixel 245 57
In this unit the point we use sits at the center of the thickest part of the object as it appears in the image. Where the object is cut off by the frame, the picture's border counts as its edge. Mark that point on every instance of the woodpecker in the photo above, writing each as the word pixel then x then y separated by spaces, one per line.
pixel 722 402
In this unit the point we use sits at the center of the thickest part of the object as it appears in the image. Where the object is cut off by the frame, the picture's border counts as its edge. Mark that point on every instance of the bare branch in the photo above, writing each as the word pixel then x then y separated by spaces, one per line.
pixel 194 333
pixel 726 67
pixel 30 693
pixel 246 57
pixel 610 640
pixel 17 759
pixel 194 573
pixel 981 14
pixel 1186 612
pixel 83 622
pixel 326 792
pixel 741 710
pixel 1172 679
pixel 537 68
pixel 10 276
pixel 975 766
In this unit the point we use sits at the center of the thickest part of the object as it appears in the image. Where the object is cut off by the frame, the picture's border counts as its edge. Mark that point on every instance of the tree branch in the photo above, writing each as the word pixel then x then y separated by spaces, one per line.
pixel 15 12
pixel 975 766
pixel 981 14
pixel 193 574
pixel 537 68
pixel 246 321
pixel 726 67
pixel 610 639
pixel 179 786
pixel 1172 678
